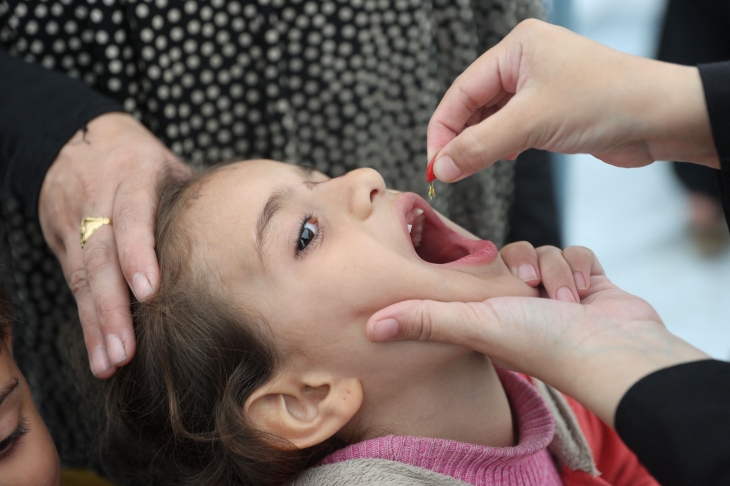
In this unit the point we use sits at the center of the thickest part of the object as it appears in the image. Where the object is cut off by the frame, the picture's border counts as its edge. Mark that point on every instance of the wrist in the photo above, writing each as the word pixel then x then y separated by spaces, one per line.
pixel 609 372
pixel 677 119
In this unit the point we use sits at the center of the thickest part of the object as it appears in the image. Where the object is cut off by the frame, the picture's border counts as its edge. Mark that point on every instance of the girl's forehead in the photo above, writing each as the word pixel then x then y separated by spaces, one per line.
pixel 246 180
pixel 265 169
pixel 224 218
pixel 252 178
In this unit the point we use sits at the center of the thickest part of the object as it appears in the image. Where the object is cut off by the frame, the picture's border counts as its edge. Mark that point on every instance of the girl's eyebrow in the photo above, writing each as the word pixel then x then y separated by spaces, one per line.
pixel 271 209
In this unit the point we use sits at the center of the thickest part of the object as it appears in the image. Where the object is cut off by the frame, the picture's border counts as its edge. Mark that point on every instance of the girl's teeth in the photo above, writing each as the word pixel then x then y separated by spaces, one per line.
pixel 417 219
pixel 417 234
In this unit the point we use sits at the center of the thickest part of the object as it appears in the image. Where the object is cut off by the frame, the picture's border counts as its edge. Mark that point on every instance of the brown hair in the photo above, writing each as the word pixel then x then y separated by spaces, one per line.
pixel 175 413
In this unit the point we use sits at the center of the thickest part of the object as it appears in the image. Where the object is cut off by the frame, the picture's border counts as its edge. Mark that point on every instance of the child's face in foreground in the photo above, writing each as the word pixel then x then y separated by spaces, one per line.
pixel 27 453
pixel 316 257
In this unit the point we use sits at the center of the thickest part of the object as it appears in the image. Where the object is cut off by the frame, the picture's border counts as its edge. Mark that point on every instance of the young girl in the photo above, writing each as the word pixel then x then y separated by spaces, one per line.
pixel 27 454
pixel 253 366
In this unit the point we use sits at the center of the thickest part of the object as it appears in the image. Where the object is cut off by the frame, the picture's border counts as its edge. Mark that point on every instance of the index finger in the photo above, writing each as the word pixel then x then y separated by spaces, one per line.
pixel 135 205
pixel 134 213
pixel 483 84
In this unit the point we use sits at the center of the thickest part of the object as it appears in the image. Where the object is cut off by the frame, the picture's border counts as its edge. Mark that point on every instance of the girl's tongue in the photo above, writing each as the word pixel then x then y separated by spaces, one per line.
pixel 434 242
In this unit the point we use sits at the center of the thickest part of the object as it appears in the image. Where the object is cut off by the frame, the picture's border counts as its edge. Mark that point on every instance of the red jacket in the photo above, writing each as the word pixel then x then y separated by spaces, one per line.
pixel 617 464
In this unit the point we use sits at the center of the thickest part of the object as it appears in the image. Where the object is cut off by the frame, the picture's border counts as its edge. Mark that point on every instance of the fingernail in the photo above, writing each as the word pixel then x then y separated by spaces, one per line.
pixel 115 349
pixel 99 360
pixel 565 294
pixel 385 330
pixel 446 170
pixel 580 282
pixel 526 272
pixel 141 286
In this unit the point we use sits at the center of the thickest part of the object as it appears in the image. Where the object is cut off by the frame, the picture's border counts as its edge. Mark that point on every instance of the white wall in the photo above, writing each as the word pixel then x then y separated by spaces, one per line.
pixel 635 219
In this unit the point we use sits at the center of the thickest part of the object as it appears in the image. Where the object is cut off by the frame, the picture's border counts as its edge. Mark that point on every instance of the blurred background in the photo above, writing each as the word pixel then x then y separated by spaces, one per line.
pixel 655 237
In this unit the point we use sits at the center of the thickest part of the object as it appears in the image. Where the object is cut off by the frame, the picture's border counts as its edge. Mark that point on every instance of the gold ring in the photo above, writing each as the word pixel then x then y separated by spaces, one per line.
pixel 89 225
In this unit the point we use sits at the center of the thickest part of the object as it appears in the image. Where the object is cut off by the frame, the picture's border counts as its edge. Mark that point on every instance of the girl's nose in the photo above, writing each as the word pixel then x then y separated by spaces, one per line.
pixel 365 187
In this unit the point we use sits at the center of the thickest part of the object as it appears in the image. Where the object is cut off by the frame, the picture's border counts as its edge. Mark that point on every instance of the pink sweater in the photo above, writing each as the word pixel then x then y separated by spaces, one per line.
pixel 527 463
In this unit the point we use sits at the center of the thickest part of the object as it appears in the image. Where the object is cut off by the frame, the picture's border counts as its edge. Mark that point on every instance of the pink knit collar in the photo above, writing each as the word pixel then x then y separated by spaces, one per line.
pixel 527 463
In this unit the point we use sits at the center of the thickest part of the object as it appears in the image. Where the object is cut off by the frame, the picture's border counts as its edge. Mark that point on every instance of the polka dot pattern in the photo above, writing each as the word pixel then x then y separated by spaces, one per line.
pixel 336 85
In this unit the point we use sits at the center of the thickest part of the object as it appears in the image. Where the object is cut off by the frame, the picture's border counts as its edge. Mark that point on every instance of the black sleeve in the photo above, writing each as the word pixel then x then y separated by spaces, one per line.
pixel 677 421
pixel 716 83
pixel 41 110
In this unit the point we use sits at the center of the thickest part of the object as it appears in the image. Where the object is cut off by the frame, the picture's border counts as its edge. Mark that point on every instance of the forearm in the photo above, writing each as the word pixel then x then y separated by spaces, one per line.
pixel 42 109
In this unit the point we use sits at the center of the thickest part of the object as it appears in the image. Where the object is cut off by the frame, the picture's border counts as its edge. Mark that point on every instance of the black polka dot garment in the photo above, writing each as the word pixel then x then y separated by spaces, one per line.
pixel 336 85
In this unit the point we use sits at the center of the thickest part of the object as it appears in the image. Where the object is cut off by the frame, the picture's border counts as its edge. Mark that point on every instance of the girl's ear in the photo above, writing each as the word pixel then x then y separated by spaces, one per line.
pixel 305 410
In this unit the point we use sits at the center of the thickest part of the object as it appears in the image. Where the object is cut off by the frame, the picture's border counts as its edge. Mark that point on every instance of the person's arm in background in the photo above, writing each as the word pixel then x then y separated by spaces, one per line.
pixel 67 152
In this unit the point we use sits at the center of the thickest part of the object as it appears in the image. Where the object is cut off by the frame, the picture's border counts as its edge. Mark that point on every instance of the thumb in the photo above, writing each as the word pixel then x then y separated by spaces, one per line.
pixel 524 334
pixel 465 324
pixel 503 134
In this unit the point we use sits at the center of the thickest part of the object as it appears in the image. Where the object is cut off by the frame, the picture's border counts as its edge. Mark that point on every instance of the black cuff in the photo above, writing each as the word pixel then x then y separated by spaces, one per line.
pixel 716 84
pixel 677 421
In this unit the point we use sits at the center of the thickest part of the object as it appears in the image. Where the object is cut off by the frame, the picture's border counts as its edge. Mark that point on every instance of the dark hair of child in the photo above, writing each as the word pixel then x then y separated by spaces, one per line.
pixel 174 414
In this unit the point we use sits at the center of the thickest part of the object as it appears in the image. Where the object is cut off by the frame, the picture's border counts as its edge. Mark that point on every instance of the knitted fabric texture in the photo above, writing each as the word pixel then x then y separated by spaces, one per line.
pixel 527 463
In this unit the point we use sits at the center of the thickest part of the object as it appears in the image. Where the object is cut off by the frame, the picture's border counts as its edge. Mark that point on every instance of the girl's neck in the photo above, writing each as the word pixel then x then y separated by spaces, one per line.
pixel 463 401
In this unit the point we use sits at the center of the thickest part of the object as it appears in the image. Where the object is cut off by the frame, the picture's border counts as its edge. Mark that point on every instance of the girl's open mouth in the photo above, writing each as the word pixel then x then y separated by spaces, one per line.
pixel 435 242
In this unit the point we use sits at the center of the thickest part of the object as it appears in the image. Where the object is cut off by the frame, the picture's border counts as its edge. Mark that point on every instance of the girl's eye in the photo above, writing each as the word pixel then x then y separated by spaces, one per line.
pixel 306 235
pixel 7 445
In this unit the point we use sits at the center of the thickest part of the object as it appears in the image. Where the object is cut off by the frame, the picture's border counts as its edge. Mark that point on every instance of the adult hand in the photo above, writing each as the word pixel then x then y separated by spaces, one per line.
pixel 593 351
pixel 545 87
pixel 109 169
pixel 560 274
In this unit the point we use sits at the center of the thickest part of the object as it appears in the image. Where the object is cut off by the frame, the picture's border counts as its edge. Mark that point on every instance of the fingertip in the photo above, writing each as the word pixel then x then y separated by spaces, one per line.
pixel 528 274
pixel 99 362
pixel 141 286
pixel 565 294
pixel 446 169
pixel 130 345
pixel 383 330
pixel 115 349
pixel 107 374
